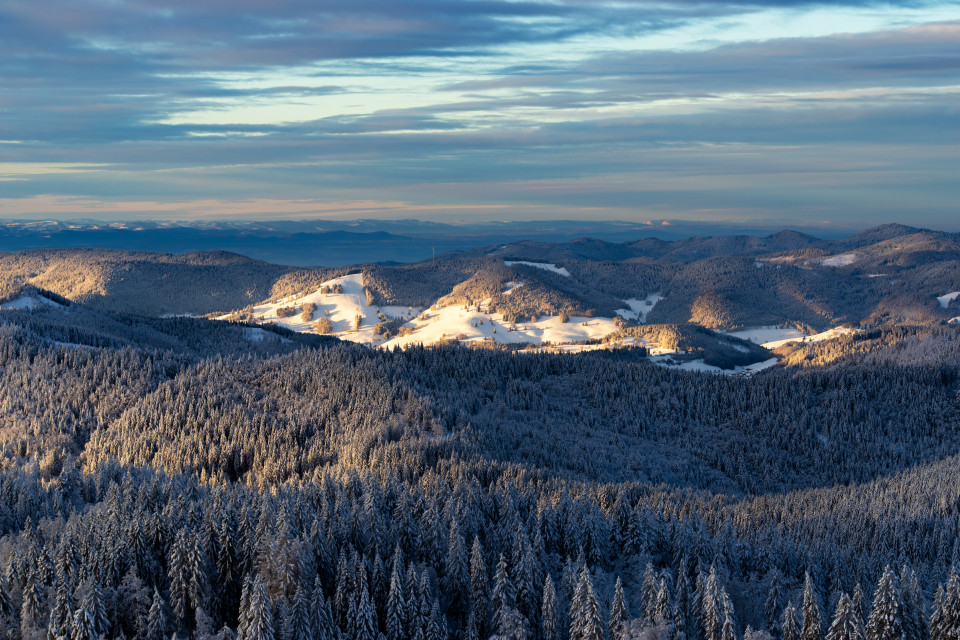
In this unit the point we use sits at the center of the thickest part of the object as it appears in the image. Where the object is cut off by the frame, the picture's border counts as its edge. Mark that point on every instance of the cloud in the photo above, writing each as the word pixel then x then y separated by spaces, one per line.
pixel 520 107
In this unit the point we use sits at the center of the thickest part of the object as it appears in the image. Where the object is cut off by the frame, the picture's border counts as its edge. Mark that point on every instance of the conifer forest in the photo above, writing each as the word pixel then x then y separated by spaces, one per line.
pixel 191 478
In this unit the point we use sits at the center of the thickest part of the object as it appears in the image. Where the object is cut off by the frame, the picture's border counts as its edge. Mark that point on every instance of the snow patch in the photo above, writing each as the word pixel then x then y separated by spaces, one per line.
pixel 638 309
pixel 947 299
pixel 29 303
pixel 474 324
pixel 511 286
pixel 540 265
pixel 767 335
pixel 341 309
pixel 842 260
pixel 700 365
pixel 829 334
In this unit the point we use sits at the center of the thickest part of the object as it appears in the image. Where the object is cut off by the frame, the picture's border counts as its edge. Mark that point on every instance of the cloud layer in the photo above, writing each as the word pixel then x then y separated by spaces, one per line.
pixel 453 109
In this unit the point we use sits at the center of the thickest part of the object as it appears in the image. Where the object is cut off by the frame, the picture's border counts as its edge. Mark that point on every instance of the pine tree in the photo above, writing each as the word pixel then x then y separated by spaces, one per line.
pixel 30 606
pixel 6 600
pixel 365 623
pixel 618 613
pixel 61 616
pixel 774 603
pixel 585 622
pixel 728 632
pixel 856 600
pixel 324 627
pixel 396 605
pixel 648 594
pixel 914 625
pixel 156 622
pixel 300 614
pixel 503 593
pixel 662 612
pixel 885 621
pixel 84 627
pixel 711 607
pixel 846 625
pixel 812 619
pixel 94 603
pixel 479 586
pixel 435 627
pixel 550 612
pixel 790 630
pixel 470 631
pixel 456 581
pixel 260 618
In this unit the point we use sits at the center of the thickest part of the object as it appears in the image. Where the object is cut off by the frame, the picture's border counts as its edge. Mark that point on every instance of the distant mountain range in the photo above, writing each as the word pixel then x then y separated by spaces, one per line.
pixel 572 294
pixel 335 243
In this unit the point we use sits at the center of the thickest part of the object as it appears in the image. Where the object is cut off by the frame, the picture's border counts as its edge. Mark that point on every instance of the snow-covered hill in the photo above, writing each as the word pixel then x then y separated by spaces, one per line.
pixel 28 303
pixel 345 304
pixel 342 300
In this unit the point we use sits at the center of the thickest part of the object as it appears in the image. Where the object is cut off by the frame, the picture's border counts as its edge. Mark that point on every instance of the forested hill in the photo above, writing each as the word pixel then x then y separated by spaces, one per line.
pixel 195 478
pixel 886 275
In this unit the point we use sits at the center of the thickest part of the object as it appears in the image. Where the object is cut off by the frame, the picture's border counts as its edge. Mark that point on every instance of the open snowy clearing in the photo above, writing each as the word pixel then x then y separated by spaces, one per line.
pixel 700 365
pixel 638 309
pixel 341 309
pixel 28 303
pixel 540 265
pixel 842 260
pixel 829 334
pixel 469 324
pixel 948 298
pixel 765 336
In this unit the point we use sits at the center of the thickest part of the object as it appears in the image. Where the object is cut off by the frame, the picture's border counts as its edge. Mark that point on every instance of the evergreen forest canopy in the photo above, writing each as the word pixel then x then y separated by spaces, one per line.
pixel 182 477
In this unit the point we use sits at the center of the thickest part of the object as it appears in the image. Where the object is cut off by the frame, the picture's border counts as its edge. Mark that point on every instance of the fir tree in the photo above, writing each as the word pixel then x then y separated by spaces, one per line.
pixel 456 581
pixel 550 612
pixel 260 618
pixel 300 614
pixel 30 606
pixel 812 619
pixel 886 622
pixel 618 613
pixel 648 594
pixel 504 597
pixel 790 629
pixel 662 610
pixel 324 627
pixel 774 602
pixel 365 623
pixel 846 625
pixel 479 586
pixel 396 606
pixel 61 616
pixel 84 627
pixel 585 621
pixel 156 621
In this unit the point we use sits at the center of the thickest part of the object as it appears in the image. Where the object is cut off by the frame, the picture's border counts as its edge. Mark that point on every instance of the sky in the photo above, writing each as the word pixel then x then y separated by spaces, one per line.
pixel 783 111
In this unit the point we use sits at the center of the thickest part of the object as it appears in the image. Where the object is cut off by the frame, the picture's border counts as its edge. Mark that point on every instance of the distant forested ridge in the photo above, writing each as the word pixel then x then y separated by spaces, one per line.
pixel 888 275
pixel 183 477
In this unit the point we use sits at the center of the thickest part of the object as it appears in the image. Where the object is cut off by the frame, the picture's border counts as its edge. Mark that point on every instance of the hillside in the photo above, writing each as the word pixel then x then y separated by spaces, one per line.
pixel 160 436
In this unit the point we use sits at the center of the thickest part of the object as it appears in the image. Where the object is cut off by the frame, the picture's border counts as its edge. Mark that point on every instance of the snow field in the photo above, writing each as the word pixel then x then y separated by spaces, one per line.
pixel 842 260
pixel 28 303
pixel 945 300
pixel 767 335
pixel 540 265
pixel 638 309
pixel 340 308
